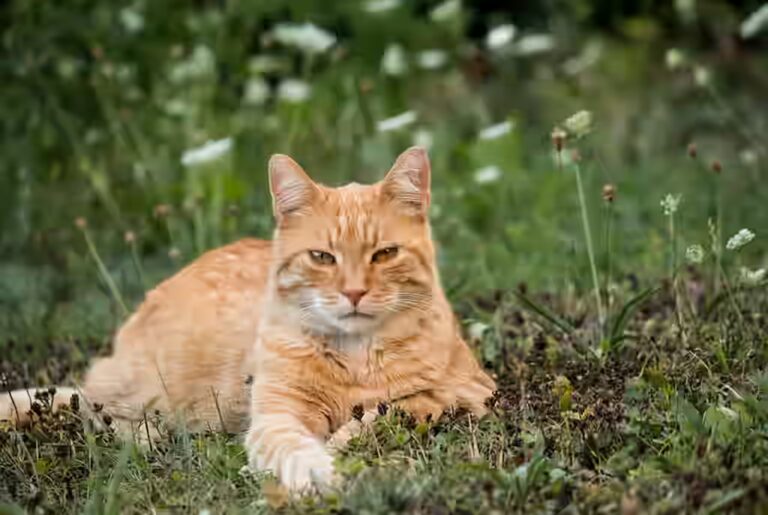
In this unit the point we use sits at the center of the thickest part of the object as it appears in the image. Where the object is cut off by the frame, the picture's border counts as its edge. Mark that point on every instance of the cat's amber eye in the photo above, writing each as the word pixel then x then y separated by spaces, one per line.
pixel 384 255
pixel 322 258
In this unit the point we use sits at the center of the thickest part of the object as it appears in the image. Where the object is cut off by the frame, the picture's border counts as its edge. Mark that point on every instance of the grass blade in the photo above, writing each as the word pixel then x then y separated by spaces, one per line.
pixel 544 312
pixel 628 310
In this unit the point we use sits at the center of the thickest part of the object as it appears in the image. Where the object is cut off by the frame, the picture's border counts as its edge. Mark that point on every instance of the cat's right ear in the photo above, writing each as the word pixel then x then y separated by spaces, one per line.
pixel 292 189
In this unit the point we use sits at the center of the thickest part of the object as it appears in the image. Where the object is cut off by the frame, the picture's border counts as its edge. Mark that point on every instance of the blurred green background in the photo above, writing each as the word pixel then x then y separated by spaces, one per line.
pixel 110 108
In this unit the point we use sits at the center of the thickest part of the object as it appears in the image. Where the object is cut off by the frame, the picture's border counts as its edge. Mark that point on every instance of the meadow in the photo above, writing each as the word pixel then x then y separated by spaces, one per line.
pixel 598 205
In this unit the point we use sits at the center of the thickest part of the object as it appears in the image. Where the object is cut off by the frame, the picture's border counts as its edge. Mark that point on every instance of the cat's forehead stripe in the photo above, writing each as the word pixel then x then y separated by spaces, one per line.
pixel 355 219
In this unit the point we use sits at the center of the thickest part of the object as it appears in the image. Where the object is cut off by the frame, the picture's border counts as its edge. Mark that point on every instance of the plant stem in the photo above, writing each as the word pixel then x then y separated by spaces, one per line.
pixel 137 264
pixel 590 249
pixel 672 249
pixel 608 256
pixel 732 298
pixel 718 231
pixel 105 275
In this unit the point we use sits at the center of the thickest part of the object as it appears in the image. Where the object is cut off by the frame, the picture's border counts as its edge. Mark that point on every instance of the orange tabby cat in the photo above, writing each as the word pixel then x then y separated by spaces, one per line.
pixel 343 308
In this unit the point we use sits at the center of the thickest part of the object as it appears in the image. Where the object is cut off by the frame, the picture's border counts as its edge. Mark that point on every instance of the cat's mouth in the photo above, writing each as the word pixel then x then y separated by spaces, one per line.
pixel 355 315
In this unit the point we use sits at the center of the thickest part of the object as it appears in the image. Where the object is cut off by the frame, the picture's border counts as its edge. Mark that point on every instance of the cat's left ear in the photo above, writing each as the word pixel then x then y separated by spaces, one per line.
pixel 292 189
pixel 408 182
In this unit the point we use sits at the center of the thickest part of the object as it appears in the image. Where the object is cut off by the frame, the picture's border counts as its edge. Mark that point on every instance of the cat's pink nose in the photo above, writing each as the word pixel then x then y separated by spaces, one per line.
pixel 354 296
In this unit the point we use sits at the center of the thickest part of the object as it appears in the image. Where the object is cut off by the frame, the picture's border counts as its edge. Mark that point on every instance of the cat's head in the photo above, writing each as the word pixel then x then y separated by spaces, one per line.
pixel 349 259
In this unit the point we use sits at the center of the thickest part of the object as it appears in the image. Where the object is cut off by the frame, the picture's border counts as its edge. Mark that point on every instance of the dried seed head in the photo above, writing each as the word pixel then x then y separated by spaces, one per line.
pixel 366 86
pixel 558 138
pixel 129 237
pixel 609 192
pixel 174 253
pixel 81 223
pixel 692 150
pixel 717 166
pixel 162 210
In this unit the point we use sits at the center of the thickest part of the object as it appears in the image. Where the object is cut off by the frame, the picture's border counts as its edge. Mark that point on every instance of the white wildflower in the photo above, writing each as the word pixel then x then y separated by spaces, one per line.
pixel 748 157
pixel 423 138
pixel 670 204
pixel 396 122
pixel 67 67
pixel 740 239
pixel 702 76
pixel 674 58
pixel 476 330
pixel 307 37
pixel 496 131
pixel 534 44
pixel 686 9
pixel 177 107
pixel 579 124
pixel 752 277
pixel 256 91
pixel 754 23
pixel 266 64
pixel 500 36
pixel 445 11
pixel 487 174
pixel 201 63
pixel 131 19
pixel 694 254
pixel 432 59
pixel 589 56
pixel 380 6
pixel 210 151
pixel 393 62
pixel 293 91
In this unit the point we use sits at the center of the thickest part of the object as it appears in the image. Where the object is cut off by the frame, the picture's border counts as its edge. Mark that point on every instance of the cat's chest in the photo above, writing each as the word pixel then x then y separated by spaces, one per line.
pixel 371 370
pixel 359 359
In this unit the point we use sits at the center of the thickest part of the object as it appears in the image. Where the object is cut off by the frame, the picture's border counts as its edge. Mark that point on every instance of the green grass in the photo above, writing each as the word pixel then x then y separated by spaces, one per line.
pixel 663 408
pixel 658 424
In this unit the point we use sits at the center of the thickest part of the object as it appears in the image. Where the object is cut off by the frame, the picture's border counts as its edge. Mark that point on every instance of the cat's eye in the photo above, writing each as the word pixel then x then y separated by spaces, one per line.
pixel 322 258
pixel 384 255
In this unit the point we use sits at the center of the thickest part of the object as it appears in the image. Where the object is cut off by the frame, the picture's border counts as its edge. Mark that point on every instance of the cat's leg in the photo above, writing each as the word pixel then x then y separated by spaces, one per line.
pixel 473 393
pixel 287 436
pixel 17 406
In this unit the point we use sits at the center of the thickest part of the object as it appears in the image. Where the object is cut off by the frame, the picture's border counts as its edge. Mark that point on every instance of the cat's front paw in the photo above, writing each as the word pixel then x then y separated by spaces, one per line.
pixel 307 468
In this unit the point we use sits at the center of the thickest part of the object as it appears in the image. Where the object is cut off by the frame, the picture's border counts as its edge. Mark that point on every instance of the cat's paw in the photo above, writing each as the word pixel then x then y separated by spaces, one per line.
pixel 308 468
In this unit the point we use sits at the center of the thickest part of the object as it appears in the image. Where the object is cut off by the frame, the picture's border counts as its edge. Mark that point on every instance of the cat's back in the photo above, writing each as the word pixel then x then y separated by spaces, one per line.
pixel 191 336
pixel 218 292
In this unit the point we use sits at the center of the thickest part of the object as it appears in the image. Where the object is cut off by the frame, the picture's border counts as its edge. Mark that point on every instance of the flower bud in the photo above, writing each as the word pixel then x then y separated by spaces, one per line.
pixel 609 193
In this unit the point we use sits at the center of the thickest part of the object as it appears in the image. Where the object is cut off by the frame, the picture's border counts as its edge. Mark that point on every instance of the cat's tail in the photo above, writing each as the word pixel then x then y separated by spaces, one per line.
pixel 19 407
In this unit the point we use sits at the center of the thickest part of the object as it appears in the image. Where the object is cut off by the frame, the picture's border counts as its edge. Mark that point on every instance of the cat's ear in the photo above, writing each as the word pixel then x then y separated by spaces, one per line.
pixel 292 189
pixel 407 183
